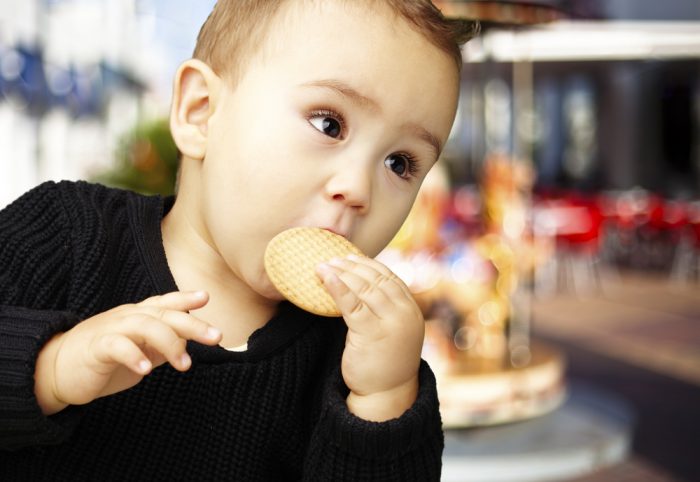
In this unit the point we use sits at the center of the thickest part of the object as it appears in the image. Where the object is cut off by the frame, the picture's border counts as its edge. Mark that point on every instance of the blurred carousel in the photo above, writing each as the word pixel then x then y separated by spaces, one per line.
pixel 468 258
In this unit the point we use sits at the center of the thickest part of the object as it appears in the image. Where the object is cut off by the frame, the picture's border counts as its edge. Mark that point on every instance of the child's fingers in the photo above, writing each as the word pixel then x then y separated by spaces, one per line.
pixel 375 277
pixel 368 293
pixel 119 349
pixel 355 308
pixel 185 325
pixel 377 286
pixel 163 331
pixel 178 300
pixel 383 270
pixel 162 338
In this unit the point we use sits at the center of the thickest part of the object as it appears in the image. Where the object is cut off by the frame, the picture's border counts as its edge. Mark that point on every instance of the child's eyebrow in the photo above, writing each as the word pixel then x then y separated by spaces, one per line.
pixel 346 91
pixel 354 96
pixel 426 136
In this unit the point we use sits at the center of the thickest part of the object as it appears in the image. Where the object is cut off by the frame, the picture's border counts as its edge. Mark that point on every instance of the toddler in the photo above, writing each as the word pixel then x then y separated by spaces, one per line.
pixel 140 337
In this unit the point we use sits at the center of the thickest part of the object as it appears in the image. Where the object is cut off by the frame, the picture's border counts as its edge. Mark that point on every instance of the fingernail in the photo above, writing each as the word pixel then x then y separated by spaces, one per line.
pixel 144 366
pixel 199 294
pixel 324 271
pixel 353 257
pixel 335 262
pixel 213 333
pixel 185 360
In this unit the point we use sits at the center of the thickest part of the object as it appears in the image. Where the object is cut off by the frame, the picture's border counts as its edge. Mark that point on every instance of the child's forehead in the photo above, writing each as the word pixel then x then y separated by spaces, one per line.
pixel 342 16
pixel 355 29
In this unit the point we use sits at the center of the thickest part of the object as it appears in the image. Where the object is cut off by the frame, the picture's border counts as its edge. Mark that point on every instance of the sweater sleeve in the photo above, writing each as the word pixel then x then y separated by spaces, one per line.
pixel 346 447
pixel 35 260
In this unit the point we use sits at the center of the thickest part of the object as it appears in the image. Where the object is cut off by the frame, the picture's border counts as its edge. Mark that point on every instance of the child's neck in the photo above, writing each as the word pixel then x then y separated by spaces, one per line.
pixel 233 307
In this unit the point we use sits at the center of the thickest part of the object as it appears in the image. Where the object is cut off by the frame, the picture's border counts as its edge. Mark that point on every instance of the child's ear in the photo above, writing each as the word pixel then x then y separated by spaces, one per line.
pixel 194 95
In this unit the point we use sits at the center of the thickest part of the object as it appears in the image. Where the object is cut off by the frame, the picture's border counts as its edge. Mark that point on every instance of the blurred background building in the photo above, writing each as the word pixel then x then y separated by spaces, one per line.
pixel 615 91
pixel 76 75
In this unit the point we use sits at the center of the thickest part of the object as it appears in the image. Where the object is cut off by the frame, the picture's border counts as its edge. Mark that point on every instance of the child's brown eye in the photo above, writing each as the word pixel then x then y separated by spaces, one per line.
pixel 328 125
pixel 400 164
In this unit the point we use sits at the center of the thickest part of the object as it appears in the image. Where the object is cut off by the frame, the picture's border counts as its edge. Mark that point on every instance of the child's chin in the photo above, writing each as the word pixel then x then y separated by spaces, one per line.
pixel 269 291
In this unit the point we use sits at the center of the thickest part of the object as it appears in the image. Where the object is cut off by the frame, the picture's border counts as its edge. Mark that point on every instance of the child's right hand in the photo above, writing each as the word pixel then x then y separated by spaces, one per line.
pixel 114 350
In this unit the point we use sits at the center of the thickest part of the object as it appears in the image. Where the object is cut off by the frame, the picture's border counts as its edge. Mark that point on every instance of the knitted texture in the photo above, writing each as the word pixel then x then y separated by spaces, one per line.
pixel 274 412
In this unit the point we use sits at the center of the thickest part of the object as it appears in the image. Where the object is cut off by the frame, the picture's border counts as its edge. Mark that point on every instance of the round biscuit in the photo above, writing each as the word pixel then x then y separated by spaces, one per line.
pixel 291 259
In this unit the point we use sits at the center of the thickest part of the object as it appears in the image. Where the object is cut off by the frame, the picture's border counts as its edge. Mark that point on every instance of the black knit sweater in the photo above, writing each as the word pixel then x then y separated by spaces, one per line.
pixel 274 412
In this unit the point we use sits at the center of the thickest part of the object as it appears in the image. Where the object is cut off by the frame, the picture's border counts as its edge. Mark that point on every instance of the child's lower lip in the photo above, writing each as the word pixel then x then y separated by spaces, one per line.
pixel 331 230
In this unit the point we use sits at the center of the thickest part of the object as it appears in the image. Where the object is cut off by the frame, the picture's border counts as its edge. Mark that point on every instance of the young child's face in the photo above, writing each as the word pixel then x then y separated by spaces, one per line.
pixel 335 127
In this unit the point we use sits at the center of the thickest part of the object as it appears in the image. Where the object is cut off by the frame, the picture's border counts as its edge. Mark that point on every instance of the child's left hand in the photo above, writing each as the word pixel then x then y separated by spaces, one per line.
pixel 385 336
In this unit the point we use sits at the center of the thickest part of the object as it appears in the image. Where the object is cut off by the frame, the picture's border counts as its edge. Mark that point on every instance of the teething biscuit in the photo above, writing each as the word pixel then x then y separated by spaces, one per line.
pixel 291 259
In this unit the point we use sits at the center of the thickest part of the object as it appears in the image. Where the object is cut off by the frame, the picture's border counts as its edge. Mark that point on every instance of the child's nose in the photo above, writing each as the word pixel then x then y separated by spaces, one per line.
pixel 351 187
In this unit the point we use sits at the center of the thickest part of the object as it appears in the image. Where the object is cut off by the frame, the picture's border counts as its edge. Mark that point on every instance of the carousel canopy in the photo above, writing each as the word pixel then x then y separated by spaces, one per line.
pixel 589 40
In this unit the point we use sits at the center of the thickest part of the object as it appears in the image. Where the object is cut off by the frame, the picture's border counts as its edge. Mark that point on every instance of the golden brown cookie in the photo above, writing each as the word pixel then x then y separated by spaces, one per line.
pixel 291 259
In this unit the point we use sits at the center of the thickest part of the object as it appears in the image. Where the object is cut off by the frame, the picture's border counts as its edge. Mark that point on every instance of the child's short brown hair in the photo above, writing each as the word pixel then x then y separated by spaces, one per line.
pixel 236 29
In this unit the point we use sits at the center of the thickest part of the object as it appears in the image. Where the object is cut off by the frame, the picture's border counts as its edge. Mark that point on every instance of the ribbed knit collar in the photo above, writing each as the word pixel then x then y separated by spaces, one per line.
pixel 145 216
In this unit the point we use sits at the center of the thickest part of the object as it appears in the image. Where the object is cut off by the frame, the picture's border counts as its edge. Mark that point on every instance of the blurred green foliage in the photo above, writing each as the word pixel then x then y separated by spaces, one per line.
pixel 146 160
